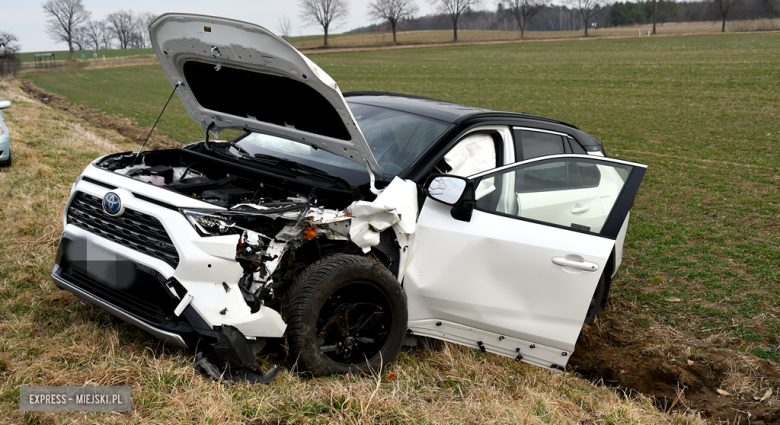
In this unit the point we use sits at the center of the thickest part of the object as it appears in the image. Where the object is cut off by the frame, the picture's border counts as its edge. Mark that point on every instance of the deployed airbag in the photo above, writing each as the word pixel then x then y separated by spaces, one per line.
pixel 396 206
pixel 472 155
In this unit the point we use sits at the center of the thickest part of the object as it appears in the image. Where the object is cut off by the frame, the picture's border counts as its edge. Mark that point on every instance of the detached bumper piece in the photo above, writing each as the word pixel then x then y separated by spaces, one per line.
pixel 234 359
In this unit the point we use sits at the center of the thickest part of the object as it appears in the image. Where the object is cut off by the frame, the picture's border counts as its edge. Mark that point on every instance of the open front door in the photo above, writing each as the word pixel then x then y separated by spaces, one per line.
pixel 518 277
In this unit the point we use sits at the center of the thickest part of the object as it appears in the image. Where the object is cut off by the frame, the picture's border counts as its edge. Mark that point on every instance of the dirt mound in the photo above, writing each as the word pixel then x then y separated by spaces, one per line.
pixel 120 124
pixel 685 376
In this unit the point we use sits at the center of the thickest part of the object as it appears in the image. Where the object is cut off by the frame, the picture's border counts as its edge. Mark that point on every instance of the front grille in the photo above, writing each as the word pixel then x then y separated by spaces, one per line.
pixel 132 229
pixel 140 307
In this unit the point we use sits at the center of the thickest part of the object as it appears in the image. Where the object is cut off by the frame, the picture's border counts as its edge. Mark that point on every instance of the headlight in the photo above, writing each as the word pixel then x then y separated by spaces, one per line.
pixel 207 223
pixel 1 129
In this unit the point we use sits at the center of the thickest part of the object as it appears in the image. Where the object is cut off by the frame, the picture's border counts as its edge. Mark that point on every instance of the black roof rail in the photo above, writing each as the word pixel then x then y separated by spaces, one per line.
pixel 384 93
pixel 524 115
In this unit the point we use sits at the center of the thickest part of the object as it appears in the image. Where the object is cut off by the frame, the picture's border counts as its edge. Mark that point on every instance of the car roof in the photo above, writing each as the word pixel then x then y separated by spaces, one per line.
pixel 440 110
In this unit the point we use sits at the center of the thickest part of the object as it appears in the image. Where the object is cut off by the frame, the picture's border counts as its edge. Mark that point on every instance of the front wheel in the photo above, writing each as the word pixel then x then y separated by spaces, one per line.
pixel 345 314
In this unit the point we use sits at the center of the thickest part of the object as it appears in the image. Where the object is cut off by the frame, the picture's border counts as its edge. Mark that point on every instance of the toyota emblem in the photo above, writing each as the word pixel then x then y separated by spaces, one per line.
pixel 112 205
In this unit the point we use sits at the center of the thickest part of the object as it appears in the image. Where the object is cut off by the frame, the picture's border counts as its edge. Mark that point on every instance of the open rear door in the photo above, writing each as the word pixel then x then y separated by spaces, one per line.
pixel 519 277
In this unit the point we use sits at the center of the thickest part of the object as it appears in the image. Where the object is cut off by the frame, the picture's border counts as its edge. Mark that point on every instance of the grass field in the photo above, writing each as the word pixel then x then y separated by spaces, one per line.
pixel 464 36
pixel 702 251
pixel 467 36
pixel 64 54
pixel 49 337
pixel 696 109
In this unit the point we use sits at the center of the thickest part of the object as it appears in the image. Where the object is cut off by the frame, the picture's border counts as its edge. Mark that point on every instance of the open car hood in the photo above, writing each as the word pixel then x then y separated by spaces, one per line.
pixel 241 76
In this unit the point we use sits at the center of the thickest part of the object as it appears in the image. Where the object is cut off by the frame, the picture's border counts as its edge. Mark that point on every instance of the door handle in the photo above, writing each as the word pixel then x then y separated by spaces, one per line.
pixel 582 265
pixel 579 209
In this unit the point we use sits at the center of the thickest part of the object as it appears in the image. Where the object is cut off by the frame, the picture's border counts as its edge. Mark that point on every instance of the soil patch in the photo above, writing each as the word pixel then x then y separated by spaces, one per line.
pixel 684 375
pixel 120 124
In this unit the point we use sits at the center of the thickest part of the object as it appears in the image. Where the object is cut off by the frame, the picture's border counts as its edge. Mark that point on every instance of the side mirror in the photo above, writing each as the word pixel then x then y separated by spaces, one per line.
pixel 5 104
pixel 453 190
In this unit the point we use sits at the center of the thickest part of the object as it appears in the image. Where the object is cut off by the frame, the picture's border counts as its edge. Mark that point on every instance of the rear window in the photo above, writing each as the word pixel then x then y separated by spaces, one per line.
pixel 534 144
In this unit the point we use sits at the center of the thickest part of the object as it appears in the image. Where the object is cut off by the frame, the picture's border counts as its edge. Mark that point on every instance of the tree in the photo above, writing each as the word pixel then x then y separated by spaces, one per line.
pixel 123 26
pixel 9 60
pixel 454 8
pixel 94 32
pixel 722 7
pixel 108 36
pixel 392 11
pixel 587 9
pixel 65 16
pixel 143 20
pixel 80 38
pixel 524 10
pixel 323 12
pixel 284 27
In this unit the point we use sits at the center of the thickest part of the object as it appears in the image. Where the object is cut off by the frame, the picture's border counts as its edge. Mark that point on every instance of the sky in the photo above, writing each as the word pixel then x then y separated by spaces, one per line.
pixel 26 20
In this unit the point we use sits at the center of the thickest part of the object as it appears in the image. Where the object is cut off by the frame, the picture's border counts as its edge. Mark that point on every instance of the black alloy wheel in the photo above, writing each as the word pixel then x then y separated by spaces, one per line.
pixel 344 314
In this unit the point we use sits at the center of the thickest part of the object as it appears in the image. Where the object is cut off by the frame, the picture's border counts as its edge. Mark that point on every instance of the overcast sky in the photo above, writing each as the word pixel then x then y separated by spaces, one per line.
pixel 25 18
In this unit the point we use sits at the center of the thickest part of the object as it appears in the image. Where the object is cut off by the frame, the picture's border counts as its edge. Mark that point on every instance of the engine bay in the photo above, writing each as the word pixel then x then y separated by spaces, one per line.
pixel 274 215
pixel 195 172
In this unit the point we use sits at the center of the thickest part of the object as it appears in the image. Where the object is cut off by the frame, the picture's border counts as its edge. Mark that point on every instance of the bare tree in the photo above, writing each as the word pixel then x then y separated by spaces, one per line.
pixel 80 38
pixel 525 10
pixel 323 12
pixel 392 11
pixel 455 8
pixel 65 16
pixel 9 60
pixel 143 20
pixel 123 26
pixel 722 7
pixel 95 31
pixel 108 36
pixel 587 9
pixel 284 27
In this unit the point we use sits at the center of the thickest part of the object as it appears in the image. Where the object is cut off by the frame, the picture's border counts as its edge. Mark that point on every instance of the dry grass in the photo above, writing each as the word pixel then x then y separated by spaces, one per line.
pixel 467 37
pixel 49 337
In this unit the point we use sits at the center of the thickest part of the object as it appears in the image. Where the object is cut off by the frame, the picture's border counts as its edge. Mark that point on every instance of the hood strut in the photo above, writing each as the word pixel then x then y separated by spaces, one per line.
pixel 155 124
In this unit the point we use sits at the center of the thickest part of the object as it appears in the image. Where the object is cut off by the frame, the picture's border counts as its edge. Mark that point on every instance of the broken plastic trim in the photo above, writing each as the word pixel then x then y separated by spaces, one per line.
pixel 234 359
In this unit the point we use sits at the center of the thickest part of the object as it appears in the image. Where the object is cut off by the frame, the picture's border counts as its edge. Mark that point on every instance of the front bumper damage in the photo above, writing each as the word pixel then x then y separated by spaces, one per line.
pixel 219 287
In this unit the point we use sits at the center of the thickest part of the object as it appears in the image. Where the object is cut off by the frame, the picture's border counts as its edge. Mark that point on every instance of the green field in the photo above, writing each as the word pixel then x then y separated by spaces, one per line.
pixel 64 54
pixel 697 109
pixel 701 266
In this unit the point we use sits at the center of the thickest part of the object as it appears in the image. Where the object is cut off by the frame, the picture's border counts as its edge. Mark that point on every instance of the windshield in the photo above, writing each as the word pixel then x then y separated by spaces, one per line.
pixel 396 139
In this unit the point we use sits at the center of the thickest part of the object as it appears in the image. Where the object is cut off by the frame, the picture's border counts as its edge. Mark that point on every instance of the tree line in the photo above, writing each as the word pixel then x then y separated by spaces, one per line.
pixel 70 22
pixel 576 15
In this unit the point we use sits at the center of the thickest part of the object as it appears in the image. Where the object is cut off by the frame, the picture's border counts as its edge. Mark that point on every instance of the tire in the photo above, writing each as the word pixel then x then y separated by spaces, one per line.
pixel 9 161
pixel 595 302
pixel 331 302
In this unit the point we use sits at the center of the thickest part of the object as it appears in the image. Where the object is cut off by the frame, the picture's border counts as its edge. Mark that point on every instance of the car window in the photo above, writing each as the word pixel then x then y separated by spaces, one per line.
pixel 396 138
pixel 557 176
pixel 533 144
pixel 564 192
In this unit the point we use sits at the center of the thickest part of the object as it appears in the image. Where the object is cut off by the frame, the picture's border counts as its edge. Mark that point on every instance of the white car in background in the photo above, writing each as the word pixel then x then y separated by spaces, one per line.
pixel 5 138
pixel 343 225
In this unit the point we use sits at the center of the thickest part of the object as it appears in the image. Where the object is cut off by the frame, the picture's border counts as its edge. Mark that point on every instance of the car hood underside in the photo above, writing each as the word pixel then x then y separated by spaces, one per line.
pixel 238 75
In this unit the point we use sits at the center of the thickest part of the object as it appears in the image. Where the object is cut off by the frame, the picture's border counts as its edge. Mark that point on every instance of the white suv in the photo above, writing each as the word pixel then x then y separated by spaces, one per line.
pixel 343 224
